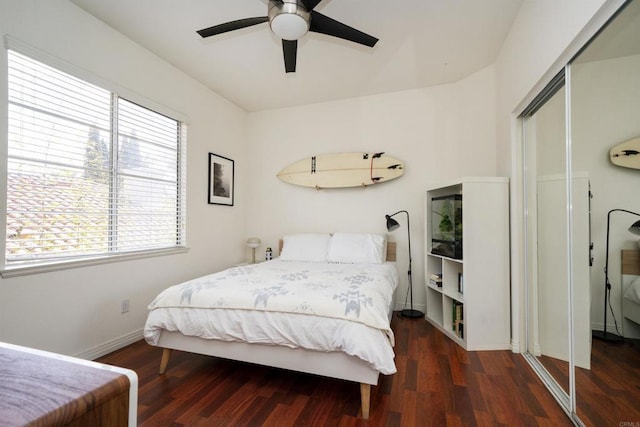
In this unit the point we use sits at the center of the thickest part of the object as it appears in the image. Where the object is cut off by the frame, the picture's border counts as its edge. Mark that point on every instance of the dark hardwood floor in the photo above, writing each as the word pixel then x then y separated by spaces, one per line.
pixel 437 384
pixel 608 394
pixel 611 389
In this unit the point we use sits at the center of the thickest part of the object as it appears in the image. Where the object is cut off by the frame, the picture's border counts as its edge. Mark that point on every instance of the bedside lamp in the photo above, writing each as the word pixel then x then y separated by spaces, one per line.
pixel 392 225
pixel 253 243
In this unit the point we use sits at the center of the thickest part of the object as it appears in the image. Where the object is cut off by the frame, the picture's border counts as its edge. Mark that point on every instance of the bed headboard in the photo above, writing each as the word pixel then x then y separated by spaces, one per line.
pixel 391 250
pixel 631 262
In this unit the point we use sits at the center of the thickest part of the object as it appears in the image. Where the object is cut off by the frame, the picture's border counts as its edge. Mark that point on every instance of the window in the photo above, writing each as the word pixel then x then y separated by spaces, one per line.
pixel 89 173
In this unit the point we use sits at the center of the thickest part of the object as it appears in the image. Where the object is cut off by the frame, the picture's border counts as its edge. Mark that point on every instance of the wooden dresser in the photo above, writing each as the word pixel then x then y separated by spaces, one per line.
pixel 39 388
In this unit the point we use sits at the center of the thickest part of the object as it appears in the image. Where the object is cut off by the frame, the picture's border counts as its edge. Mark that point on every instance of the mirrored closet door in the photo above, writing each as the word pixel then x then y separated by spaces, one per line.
pixel 582 197
pixel 547 275
pixel 605 113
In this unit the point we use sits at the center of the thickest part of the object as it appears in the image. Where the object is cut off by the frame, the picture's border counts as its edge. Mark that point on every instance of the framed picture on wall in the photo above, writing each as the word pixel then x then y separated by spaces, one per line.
pixel 221 177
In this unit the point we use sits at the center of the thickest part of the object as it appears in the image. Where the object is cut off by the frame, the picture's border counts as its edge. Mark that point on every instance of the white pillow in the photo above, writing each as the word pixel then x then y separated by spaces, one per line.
pixel 633 291
pixel 311 247
pixel 356 248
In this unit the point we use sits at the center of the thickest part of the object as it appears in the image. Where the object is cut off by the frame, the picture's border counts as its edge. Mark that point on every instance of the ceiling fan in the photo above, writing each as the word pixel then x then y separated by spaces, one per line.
pixel 291 20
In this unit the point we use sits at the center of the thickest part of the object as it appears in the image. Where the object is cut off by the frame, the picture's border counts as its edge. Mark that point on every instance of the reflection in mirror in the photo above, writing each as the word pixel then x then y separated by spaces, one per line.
pixel 605 112
pixel 582 264
pixel 548 292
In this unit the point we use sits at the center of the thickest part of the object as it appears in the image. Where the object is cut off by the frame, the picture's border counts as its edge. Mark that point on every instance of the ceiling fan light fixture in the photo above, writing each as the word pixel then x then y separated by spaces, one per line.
pixel 288 19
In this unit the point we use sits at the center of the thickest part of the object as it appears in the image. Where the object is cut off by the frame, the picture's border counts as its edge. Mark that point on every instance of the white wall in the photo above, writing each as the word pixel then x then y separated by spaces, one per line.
pixel 77 311
pixel 441 133
pixel 542 31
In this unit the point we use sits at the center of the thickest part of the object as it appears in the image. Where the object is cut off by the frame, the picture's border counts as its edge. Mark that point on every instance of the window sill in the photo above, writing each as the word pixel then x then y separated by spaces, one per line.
pixel 45 267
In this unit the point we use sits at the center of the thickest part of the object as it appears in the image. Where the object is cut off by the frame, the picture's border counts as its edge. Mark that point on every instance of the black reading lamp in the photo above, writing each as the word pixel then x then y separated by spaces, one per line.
pixel 392 225
pixel 604 335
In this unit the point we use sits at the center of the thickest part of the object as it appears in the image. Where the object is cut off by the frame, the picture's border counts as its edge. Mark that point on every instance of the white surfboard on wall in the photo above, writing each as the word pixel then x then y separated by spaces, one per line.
pixel 626 154
pixel 342 170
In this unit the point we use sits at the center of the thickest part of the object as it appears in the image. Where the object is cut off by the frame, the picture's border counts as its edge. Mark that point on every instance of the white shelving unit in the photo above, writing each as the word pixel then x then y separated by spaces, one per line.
pixel 483 269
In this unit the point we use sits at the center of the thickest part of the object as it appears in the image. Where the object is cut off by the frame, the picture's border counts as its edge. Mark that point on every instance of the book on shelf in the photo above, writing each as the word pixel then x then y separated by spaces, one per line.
pixel 460 283
pixel 458 319
pixel 435 280
pixel 460 330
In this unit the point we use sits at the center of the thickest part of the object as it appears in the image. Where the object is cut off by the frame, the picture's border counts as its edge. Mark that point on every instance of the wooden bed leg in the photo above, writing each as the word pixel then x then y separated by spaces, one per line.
pixel 365 398
pixel 166 353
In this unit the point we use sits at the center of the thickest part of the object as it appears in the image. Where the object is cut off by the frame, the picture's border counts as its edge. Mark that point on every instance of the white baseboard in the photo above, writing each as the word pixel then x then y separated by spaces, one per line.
pixel 111 346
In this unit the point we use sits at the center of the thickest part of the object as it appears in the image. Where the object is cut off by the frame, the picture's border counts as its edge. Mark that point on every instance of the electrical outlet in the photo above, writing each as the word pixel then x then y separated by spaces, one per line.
pixel 124 306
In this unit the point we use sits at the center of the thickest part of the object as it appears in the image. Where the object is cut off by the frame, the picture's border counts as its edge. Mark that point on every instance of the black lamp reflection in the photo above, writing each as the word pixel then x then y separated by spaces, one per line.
pixel 604 334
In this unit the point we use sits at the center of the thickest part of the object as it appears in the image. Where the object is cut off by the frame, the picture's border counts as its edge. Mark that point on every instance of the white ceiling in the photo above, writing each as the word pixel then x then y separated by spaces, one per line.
pixel 422 43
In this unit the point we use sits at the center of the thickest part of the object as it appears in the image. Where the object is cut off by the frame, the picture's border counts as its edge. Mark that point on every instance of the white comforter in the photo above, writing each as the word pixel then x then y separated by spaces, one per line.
pixel 324 307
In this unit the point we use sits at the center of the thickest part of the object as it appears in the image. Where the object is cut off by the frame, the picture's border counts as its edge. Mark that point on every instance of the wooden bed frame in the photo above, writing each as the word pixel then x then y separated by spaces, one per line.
pixel 631 267
pixel 329 364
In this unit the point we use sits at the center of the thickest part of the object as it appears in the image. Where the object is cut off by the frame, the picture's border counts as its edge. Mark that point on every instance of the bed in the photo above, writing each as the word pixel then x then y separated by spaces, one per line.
pixel 323 307
pixel 631 293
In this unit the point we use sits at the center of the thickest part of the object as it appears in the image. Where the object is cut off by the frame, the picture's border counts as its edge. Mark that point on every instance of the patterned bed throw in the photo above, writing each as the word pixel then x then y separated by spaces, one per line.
pixel 356 292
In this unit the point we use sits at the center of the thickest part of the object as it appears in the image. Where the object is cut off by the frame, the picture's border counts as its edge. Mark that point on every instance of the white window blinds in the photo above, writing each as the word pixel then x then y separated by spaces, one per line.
pixel 88 173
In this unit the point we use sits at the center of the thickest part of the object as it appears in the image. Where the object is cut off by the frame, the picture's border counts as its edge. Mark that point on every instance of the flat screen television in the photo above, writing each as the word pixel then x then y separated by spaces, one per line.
pixel 446 226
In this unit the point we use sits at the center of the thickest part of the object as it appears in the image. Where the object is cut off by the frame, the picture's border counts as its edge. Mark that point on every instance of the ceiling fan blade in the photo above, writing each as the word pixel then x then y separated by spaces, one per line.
pixel 233 25
pixel 290 51
pixel 310 4
pixel 325 25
